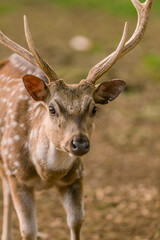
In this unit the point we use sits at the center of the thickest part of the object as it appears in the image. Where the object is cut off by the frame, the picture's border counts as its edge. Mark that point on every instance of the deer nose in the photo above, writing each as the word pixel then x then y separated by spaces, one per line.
pixel 80 145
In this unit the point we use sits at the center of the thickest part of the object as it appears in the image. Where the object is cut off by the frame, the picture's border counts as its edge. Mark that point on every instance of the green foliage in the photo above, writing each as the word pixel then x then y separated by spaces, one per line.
pixel 114 6
pixel 6 7
pixel 152 62
pixel 118 7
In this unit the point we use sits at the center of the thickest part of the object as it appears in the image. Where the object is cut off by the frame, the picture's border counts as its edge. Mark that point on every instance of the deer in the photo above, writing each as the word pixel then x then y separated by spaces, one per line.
pixel 46 127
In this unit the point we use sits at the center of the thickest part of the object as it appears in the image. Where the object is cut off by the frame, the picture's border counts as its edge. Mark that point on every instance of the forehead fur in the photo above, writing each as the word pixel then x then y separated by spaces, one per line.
pixel 73 96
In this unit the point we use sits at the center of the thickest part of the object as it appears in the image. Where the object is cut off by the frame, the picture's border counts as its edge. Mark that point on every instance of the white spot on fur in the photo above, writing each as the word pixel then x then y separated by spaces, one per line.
pixel 2 129
pixel 3 100
pixel 23 68
pixel 5 152
pixel 16 164
pixel 14 124
pixel 8 89
pixel 15 171
pixel 8 78
pixel 30 109
pixel 13 92
pixel 4 142
pixel 25 97
pixel 10 104
pixel 5 165
pixel 21 97
pixel 9 111
pixel 21 89
pixel 26 144
pixel 16 137
pixel 22 125
pixel 29 72
pixel 2 76
pixel 10 141
pixel 11 116
pixel 8 172
pixel 5 88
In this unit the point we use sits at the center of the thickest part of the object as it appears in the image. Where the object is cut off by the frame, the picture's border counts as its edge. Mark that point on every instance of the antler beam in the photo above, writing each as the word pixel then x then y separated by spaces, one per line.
pixel 143 10
pixel 33 56
pixel 100 68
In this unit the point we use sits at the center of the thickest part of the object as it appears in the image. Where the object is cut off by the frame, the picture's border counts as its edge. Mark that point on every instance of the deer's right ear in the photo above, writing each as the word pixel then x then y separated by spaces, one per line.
pixel 108 91
pixel 35 87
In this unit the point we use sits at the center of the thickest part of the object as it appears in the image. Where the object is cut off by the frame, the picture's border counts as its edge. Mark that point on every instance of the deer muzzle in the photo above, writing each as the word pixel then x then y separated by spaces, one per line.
pixel 79 145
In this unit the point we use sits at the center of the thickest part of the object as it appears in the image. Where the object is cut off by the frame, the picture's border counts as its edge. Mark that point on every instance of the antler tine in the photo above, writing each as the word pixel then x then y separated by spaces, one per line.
pixel 100 68
pixel 4 40
pixel 41 62
pixel 143 10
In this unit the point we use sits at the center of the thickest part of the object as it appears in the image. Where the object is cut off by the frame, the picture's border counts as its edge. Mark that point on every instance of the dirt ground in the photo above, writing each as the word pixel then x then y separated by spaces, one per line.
pixel 122 176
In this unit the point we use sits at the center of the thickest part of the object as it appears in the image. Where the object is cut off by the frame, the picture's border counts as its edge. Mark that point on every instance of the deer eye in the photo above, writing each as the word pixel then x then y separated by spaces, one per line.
pixel 52 110
pixel 94 110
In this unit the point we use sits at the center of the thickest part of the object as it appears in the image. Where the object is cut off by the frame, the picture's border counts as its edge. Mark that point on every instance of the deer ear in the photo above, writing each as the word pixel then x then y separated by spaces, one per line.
pixel 108 91
pixel 35 87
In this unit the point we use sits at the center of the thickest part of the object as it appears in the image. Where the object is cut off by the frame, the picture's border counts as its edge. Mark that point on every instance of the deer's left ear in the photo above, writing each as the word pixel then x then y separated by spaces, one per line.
pixel 35 87
pixel 108 91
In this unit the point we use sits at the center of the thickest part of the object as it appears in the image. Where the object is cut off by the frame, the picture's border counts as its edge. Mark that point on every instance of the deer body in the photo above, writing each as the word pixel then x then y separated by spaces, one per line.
pixel 29 159
pixel 24 128
pixel 46 126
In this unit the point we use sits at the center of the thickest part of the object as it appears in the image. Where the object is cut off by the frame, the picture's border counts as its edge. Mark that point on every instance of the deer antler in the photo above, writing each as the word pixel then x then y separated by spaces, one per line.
pixel 32 56
pixel 41 62
pixel 143 10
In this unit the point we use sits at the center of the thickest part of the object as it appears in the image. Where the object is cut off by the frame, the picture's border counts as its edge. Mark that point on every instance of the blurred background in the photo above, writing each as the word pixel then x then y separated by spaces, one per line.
pixel 122 177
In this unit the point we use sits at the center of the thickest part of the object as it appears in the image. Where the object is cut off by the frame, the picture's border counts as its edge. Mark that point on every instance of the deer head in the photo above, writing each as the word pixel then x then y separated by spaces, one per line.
pixel 70 109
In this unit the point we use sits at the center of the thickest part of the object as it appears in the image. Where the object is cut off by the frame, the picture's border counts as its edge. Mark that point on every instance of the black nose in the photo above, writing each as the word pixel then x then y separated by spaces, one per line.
pixel 80 145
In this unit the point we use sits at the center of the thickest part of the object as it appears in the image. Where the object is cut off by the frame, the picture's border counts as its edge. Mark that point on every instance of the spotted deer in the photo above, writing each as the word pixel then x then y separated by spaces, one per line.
pixel 46 126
